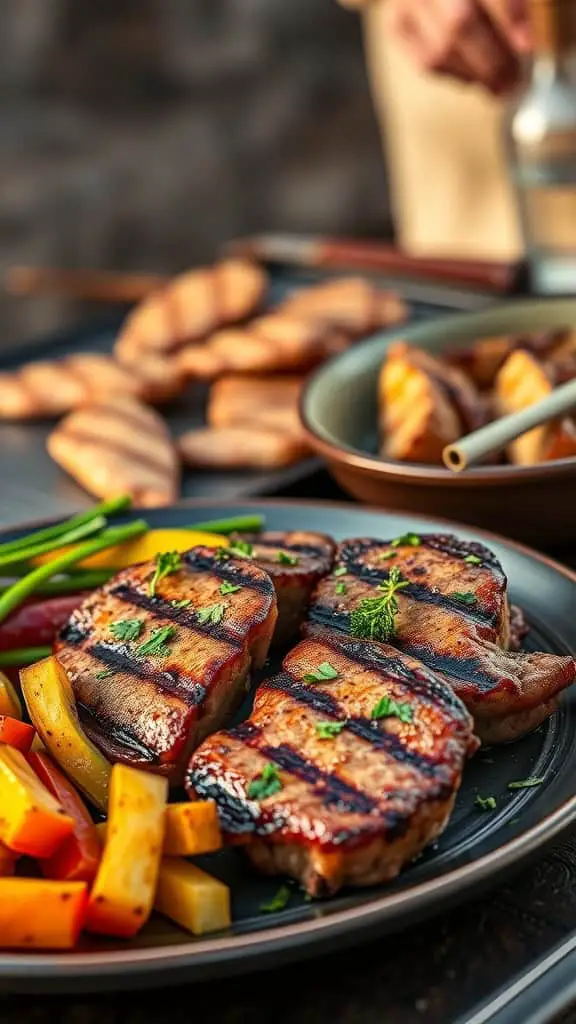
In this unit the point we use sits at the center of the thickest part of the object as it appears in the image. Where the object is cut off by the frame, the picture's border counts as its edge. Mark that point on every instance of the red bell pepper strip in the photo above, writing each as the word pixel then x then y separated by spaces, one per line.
pixel 16 734
pixel 36 623
pixel 78 857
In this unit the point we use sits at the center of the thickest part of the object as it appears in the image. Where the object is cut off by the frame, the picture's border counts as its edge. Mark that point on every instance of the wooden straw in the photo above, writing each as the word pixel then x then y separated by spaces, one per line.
pixel 497 435
pixel 93 285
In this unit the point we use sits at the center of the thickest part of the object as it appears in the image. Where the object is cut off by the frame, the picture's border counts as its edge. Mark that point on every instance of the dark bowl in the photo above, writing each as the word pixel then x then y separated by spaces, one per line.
pixel 339 412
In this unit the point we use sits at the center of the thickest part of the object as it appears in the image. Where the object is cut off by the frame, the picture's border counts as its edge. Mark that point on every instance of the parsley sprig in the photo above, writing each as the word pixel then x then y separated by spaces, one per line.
pixel 387 707
pixel 322 674
pixel 485 803
pixel 285 559
pixel 328 730
pixel 464 597
pixel 278 902
pixel 127 629
pixel 167 562
pixel 158 642
pixel 526 783
pixel 411 540
pixel 212 614
pixel 229 588
pixel 375 617
pixel 473 560
pixel 266 783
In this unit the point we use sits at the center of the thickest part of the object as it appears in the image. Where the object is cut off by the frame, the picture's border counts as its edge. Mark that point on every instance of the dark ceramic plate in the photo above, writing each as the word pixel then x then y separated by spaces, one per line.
pixel 476 849
pixel 340 413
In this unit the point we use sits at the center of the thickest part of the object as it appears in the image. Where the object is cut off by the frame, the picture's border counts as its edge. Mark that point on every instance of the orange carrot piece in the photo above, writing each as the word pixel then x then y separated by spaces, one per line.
pixel 192 829
pixel 16 734
pixel 77 859
pixel 31 820
pixel 40 914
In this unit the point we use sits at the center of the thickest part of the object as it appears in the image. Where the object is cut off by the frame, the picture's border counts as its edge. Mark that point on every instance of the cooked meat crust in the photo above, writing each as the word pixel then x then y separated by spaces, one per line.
pixel 353 808
pixel 455 617
pixel 151 709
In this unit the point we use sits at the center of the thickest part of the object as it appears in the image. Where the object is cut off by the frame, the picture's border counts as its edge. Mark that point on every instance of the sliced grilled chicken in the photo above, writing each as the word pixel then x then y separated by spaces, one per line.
pixel 346 769
pixel 148 702
pixel 118 446
pixel 52 388
pixel 244 446
pixel 277 342
pixel 454 616
pixel 350 303
pixel 521 382
pixel 261 399
pixel 191 307
pixel 424 405
pixel 296 561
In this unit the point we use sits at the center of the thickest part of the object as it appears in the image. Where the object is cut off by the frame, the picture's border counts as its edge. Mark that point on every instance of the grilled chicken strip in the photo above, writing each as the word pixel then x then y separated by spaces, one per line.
pixel 346 769
pixel 118 446
pixel 453 616
pixel 191 307
pixel 277 342
pixel 350 303
pixel 296 561
pixel 51 388
pixel 156 665
pixel 261 399
pixel 244 446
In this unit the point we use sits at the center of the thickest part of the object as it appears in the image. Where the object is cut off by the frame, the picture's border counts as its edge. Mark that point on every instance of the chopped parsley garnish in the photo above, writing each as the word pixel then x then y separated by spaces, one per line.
pixel 127 629
pixel 485 803
pixel 266 783
pixel 184 603
pixel 158 641
pixel 389 708
pixel 238 549
pixel 385 555
pixel 411 540
pixel 167 562
pixel 464 597
pixel 328 730
pixel 374 618
pixel 278 902
pixel 526 783
pixel 229 588
pixel 322 674
pixel 212 614
pixel 105 673
pixel 340 588
pixel 473 560
pixel 285 559
pixel 341 570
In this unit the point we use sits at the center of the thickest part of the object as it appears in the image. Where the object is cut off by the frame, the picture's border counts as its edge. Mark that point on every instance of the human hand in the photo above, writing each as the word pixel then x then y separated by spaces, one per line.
pixel 472 40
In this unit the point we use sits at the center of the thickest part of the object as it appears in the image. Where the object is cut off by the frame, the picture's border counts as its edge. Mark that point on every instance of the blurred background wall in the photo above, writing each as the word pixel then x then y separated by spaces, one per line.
pixel 143 133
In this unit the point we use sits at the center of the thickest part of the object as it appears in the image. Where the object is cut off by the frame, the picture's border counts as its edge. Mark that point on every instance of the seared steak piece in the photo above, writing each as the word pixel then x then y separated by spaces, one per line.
pixel 347 768
pixel 454 616
pixel 296 561
pixel 155 666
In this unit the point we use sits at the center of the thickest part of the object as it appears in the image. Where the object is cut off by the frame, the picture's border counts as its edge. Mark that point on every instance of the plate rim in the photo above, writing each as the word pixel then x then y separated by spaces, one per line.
pixel 229 950
pixel 420 473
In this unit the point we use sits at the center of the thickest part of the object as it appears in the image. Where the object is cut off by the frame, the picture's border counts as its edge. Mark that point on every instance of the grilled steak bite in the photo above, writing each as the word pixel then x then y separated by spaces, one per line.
pixel 163 652
pixel 347 768
pixel 296 561
pixel 453 614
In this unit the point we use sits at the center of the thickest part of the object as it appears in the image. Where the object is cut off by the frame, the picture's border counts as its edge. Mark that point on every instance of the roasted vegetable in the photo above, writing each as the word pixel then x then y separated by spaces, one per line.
pixel 123 892
pixel 146 547
pixel 192 898
pixel 192 828
pixel 32 821
pixel 9 699
pixel 77 859
pixel 52 709
pixel 15 733
pixel 36 623
pixel 37 914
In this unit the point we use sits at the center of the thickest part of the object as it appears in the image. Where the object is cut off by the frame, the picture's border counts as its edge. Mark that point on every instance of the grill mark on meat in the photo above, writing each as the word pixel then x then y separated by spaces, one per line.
pixel 99 725
pixel 129 417
pixel 158 608
pixel 363 728
pixel 123 450
pixel 200 562
pixel 446 543
pixel 422 592
pixel 313 551
pixel 119 658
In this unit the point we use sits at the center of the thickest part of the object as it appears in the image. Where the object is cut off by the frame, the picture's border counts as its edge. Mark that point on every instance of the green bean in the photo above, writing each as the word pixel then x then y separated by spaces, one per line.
pixel 24 655
pixel 26 554
pixel 87 580
pixel 252 524
pixel 27 585
pixel 105 508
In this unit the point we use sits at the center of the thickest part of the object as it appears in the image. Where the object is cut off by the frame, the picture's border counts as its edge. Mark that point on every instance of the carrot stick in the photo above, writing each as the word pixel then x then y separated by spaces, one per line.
pixel 37 914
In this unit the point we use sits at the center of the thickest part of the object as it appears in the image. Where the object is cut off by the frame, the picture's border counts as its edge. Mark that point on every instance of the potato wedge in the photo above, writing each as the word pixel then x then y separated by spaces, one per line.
pixel 39 914
pixel 521 382
pixel 10 703
pixel 32 821
pixel 192 898
pixel 123 891
pixel 51 706
pixel 192 829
